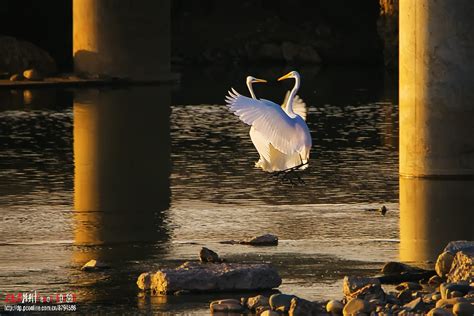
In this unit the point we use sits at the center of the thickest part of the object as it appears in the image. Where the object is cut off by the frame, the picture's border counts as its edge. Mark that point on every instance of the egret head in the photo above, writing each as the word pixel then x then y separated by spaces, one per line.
pixel 292 74
pixel 251 80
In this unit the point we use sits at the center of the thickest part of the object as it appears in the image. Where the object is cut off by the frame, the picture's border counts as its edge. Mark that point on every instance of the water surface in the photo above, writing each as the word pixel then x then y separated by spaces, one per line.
pixel 142 177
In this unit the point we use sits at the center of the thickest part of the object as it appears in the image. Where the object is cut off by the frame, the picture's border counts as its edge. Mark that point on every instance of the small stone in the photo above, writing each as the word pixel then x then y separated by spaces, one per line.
pixel 269 313
pixel 227 305
pixel 443 263
pixel 447 288
pixel 383 210
pixel 463 309
pixel 405 295
pixel 439 312
pixel 260 309
pixel 409 285
pixel 300 307
pixel 356 306
pixel 353 283
pixel 334 307
pixel 94 265
pixel 449 302
pixel 394 267
pixel 282 301
pixel 256 301
pixel 17 77
pixel 455 294
pixel 263 240
pixel 207 255
pixel 415 305
pixel 32 74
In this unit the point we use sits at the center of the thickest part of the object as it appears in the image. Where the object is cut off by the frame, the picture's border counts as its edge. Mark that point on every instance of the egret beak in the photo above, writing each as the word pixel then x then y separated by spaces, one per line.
pixel 287 76
pixel 259 80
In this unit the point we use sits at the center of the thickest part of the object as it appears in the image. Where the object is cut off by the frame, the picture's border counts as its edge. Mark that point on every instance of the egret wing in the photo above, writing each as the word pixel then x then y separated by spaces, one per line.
pixel 299 106
pixel 268 118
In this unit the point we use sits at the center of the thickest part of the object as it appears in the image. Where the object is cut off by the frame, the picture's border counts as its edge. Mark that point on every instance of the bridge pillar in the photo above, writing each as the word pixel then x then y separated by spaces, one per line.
pixel 122 38
pixel 436 125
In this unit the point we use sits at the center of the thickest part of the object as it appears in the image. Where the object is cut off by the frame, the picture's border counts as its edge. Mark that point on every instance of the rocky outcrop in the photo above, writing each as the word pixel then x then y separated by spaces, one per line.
pixel 210 277
pixel 17 56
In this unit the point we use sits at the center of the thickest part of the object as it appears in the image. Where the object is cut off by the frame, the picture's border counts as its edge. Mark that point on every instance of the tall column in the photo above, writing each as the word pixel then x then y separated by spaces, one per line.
pixel 436 125
pixel 122 38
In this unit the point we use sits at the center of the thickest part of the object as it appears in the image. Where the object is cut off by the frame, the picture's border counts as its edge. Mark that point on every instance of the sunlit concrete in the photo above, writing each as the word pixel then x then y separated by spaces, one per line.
pixel 122 38
pixel 122 165
pixel 436 125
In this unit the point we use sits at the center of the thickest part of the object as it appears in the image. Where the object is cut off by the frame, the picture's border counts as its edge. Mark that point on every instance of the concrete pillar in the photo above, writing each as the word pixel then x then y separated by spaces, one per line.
pixel 122 165
pixel 122 38
pixel 436 125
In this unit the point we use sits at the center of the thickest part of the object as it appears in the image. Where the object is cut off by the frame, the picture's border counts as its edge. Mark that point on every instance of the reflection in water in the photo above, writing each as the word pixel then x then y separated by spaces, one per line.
pixel 429 209
pixel 122 165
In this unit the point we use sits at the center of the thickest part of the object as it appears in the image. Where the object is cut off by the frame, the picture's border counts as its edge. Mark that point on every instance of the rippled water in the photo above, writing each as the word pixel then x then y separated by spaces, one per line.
pixel 142 177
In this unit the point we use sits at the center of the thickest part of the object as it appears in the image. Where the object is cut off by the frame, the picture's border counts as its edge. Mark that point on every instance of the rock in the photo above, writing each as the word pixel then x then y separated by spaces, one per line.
pixel 383 210
pixel 263 240
pixel 459 245
pixel 363 288
pixel 16 56
pixel 463 309
pixel 396 272
pixel 207 255
pixel 462 268
pixel 94 265
pixel 301 307
pixel 228 305
pixel 17 77
pixel 260 309
pixel 409 285
pixel 144 281
pixel 449 302
pixel 405 296
pixel 334 307
pixel 455 294
pixel 356 306
pixel 443 263
pixel 254 302
pixel 415 305
pixel 32 74
pixel 211 277
pixel 270 313
pixel 436 297
pixel 447 288
pixel 439 312
pixel 281 302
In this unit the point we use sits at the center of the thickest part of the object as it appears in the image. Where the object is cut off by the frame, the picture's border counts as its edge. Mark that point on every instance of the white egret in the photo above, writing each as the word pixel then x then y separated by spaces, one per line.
pixel 280 135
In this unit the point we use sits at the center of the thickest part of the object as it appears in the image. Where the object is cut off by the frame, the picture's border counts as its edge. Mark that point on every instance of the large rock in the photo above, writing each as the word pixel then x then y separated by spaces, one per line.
pixel 212 277
pixel 281 302
pixel 17 56
pixel 462 268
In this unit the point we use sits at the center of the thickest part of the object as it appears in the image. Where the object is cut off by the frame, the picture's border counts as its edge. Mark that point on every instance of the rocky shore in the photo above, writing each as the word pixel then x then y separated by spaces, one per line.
pixel 448 289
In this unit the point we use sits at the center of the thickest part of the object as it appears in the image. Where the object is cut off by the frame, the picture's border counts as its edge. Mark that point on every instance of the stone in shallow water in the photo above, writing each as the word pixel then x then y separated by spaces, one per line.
pixel 263 240
pixel 227 305
pixel 207 255
pixel 32 74
pixel 213 277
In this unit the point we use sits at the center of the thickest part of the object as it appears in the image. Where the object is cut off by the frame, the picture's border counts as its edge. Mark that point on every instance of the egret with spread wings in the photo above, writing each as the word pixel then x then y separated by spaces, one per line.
pixel 280 135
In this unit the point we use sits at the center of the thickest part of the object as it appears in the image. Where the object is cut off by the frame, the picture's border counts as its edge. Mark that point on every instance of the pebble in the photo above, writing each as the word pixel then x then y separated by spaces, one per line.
pixel 415 305
pixel 436 296
pixel 270 313
pixel 227 305
pixel 32 74
pixel 356 306
pixel 207 255
pixel 281 302
pixel 335 307
pixel 409 285
pixel 17 77
pixel 463 309
pixel 439 312
pixel 256 301
pixel 435 280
